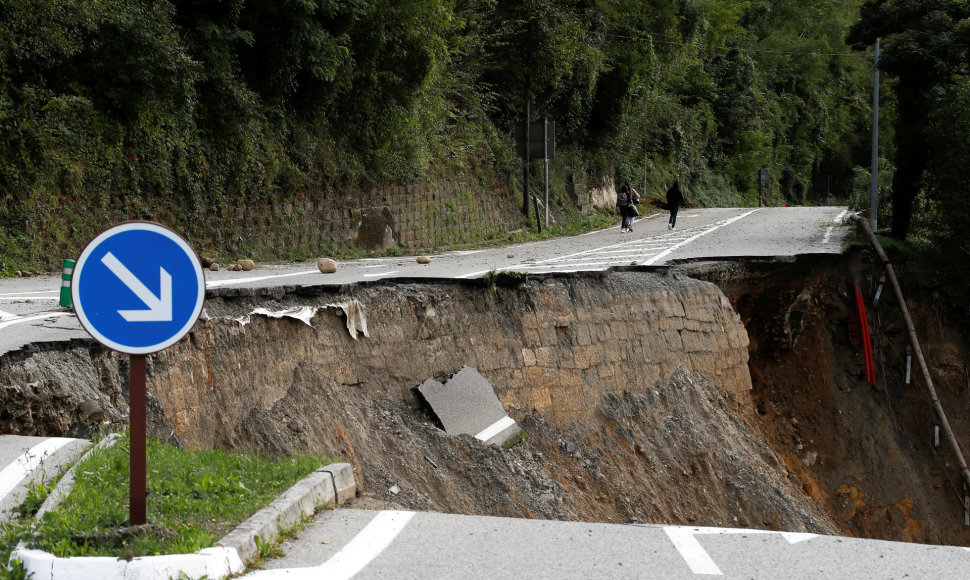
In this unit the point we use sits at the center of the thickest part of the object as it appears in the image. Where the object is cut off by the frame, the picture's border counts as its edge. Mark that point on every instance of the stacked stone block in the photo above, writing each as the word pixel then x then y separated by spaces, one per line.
pixel 555 346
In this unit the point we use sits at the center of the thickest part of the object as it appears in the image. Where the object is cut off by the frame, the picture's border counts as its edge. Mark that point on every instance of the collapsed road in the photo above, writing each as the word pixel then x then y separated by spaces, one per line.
pixel 717 390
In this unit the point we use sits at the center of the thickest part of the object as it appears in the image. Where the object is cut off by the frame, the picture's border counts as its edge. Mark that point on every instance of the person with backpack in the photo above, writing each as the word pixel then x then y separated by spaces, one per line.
pixel 626 202
pixel 622 201
pixel 675 200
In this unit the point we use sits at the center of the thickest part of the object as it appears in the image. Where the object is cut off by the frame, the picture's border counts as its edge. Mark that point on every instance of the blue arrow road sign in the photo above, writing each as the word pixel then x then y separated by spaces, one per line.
pixel 138 287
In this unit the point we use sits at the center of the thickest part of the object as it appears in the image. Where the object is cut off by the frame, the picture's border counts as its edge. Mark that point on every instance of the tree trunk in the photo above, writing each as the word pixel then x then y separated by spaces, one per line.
pixel 911 155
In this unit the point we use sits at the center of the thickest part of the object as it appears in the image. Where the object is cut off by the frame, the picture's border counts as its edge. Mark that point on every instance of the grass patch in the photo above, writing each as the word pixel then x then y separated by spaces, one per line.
pixel 505 279
pixel 201 495
pixel 519 438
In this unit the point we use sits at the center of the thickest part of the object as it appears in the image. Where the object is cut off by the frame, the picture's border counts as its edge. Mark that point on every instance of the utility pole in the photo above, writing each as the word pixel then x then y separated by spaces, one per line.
pixel 874 201
pixel 525 164
pixel 645 165
pixel 545 157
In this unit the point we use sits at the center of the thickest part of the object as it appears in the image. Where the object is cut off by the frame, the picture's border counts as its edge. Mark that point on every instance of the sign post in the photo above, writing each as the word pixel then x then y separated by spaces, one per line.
pixel 761 178
pixel 539 142
pixel 138 288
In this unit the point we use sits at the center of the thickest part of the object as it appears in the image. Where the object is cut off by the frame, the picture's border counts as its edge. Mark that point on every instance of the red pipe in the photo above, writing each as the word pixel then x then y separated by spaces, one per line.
pixel 866 339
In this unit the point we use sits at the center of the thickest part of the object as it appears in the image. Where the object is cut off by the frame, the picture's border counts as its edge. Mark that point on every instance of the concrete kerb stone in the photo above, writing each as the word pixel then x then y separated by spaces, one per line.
pixel 333 483
pixel 344 484
pixel 316 490
pixel 40 469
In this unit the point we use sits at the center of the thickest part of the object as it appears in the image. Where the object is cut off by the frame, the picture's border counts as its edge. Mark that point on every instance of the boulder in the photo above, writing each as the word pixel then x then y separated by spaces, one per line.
pixel 207 258
pixel 326 265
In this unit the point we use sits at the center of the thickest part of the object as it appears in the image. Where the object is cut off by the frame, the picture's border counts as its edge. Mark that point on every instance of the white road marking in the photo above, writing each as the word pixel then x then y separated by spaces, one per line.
pixel 495 428
pixel 28 462
pixel 30 318
pixel 717 226
pixel 8 316
pixel 692 552
pixel 217 283
pixel 31 292
pixel 352 558
pixel 34 298
pixel 606 256
pixel 697 558
pixel 828 232
pixel 379 274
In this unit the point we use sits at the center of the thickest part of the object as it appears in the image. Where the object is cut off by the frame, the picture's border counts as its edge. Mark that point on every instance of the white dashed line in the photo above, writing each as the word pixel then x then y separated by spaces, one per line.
pixel 697 558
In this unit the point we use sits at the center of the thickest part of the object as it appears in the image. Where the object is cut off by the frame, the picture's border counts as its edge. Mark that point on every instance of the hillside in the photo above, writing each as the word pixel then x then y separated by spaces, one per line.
pixel 184 112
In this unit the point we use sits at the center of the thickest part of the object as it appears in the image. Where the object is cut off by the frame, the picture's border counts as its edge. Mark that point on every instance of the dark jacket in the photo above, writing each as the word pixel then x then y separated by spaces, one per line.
pixel 674 196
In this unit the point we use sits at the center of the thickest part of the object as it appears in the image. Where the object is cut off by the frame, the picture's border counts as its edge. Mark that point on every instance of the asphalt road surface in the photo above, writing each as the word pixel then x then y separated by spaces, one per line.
pixel 30 311
pixel 362 544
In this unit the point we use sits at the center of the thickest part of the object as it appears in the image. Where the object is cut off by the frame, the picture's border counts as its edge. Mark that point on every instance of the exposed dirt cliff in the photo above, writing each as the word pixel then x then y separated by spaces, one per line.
pixel 863 452
pixel 635 389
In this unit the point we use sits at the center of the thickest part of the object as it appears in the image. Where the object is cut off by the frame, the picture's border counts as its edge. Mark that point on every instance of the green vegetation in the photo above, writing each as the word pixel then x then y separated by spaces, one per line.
pixel 179 111
pixel 183 111
pixel 505 279
pixel 520 438
pixel 201 495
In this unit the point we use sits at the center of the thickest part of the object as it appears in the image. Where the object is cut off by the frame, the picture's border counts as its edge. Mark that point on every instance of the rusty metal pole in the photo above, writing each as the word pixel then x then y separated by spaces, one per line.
pixel 137 433
pixel 914 343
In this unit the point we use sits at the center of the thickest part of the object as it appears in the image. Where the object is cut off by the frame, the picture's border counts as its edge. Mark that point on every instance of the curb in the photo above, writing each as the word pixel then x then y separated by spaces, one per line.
pixel 333 484
pixel 29 469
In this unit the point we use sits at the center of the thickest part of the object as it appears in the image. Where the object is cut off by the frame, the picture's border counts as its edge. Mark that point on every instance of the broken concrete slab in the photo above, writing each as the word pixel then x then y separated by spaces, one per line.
pixel 466 404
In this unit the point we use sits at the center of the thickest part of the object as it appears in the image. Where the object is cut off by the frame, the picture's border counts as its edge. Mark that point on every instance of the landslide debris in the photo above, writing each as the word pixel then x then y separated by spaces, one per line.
pixel 676 454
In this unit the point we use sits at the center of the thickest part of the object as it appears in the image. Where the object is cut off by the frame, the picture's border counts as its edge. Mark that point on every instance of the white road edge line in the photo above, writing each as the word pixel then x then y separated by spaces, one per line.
pixel 28 462
pixel 379 274
pixel 352 558
pixel 29 318
pixel 838 218
pixel 217 283
pixel 8 316
pixel 495 428
pixel 667 252
pixel 33 298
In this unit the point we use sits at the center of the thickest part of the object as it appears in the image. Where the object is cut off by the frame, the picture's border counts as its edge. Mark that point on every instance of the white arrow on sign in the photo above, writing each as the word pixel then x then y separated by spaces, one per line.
pixel 159 307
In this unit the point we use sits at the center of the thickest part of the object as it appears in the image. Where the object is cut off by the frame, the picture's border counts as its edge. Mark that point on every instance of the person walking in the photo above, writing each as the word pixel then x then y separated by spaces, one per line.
pixel 622 205
pixel 675 199
pixel 631 209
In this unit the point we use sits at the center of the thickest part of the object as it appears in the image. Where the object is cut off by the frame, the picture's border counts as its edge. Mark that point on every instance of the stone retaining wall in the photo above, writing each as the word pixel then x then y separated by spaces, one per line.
pixel 428 214
pixel 554 346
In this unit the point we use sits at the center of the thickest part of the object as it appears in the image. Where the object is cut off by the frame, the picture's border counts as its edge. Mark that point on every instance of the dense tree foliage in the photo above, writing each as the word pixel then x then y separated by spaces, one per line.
pixel 925 51
pixel 199 103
